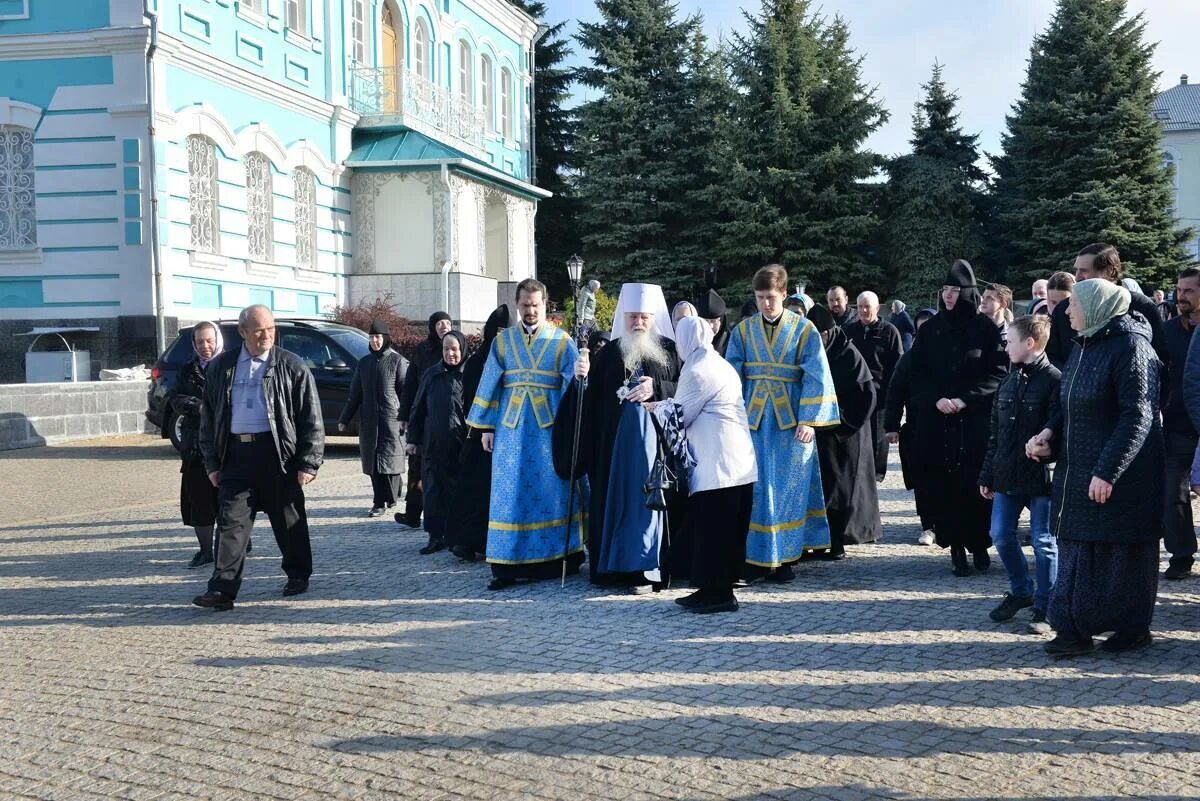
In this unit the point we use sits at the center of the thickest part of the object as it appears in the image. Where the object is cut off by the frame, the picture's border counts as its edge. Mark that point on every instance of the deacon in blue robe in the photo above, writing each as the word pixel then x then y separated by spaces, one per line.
pixel 786 383
pixel 528 369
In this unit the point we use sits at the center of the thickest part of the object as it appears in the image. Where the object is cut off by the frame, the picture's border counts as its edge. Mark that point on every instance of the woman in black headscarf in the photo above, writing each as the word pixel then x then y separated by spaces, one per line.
pixel 847 451
pixel 436 431
pixel 597 341
pixel 375 391
pixel 197 495
pixel 427 354
pixel 958 361
pixel 467 528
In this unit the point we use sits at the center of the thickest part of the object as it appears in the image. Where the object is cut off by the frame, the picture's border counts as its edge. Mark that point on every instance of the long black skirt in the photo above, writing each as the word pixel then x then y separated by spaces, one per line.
pixel 197 496
pixel 385 489
pixel 1104 586
pixel 948 500
pixel 468 520
pixel 718 521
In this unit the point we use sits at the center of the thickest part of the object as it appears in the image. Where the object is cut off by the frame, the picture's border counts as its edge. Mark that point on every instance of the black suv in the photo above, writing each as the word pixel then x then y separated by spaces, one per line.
pixel 331 350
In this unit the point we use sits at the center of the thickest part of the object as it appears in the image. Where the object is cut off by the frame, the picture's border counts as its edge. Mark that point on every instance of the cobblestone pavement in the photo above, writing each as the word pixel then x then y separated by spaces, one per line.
pixel 400 676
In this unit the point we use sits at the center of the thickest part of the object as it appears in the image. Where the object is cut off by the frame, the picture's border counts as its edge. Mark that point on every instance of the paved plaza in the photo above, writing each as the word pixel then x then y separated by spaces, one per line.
pixel 400 677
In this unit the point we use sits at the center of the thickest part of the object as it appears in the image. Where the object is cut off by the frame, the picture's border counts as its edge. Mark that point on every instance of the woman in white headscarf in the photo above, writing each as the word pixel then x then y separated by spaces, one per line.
pixel 708 408
pixel 682 309
pixel 197 495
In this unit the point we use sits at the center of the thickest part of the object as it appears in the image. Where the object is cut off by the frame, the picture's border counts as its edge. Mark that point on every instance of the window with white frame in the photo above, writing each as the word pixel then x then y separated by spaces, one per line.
pixel 253 6
pixel 297 16
pixel 18 212
pixel 259 231
pixel 485 92
pixel 466 63
pixel 506 122
pixel 358 29
pixel 305 183
pixel 423 50
pixel 202 194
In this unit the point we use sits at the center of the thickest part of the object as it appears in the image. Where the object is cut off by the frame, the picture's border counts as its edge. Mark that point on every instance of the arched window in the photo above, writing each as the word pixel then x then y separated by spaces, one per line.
pixel 202 194
pixel 466 87
pixel 259 228
pixel 18 213
pixel 485 93
pixel 423 50
pixel 306 218
pixel 506 122
pixel 358 30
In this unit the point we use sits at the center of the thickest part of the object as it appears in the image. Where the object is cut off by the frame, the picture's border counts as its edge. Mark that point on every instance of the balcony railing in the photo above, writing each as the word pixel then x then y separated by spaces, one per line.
pixel 398 96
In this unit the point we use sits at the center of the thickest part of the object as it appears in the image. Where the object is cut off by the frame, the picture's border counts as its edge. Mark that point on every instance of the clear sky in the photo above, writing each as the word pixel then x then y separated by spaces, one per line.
pixel 983 44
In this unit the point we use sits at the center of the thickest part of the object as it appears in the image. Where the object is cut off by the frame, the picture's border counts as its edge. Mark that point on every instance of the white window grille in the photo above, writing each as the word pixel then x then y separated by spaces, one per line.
pixel 506 104
pixel 465 64
pixel 202 194
pixel 258 207
pixel 358 30
pixel 422 52
pixel 485 91
pixel 306 218
pixel 18 211
pixel 297 16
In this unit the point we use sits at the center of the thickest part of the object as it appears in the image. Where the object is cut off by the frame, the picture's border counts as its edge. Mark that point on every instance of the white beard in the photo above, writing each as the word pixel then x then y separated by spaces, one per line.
pixel 642 348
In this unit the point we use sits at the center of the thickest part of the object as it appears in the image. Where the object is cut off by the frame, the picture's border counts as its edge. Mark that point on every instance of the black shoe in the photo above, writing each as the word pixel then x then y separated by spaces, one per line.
pixel 958 558
pixel 1062 647
pixel 217 601
pixel 694 599
pixel 1009 607
pixel 808 556
pixel 1178 570
pixel 715 606
pixel 500 584
pixel 784 574
pixel 832 556
pixel 203 557
pixel 435 544
pixel 376 511
pixel 295 587
pixel 1125 642
pixel 1038 623
pixel 400 519
pixel 982 560
pixel 465 554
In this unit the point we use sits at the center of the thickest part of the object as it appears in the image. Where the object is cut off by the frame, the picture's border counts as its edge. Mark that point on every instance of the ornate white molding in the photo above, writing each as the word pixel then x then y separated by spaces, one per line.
pixel 103 41
pixel 23 115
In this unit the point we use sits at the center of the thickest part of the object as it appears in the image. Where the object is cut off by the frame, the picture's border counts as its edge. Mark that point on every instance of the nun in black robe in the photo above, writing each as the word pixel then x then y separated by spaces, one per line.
pixel 957 357
pixel 466 530
pixel 711 306
pixel 847 451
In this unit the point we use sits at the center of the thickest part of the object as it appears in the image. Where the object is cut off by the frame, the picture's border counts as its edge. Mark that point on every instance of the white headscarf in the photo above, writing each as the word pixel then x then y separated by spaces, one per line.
pixel 1132 286
pixel 692 336
pixel 219 338
pixel 680 305
pixel 647 299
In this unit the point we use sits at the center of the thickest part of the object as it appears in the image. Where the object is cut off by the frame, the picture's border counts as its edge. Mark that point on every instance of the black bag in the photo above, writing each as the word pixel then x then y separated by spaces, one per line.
pixel 660 481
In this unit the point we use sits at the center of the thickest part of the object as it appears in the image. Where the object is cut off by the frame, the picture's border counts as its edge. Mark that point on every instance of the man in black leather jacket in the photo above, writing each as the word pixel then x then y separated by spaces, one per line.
pixel 262 439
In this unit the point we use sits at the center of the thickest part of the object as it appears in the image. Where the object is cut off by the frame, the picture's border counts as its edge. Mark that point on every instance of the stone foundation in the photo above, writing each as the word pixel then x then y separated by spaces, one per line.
pixel 41 414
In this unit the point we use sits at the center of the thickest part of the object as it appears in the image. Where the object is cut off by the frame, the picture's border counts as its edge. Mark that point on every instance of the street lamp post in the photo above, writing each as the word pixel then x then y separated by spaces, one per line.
pixel 574 273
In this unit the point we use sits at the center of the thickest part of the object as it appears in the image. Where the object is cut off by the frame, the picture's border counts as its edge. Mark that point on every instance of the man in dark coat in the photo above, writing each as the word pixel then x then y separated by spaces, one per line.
pixel 1180 435
pixel 427 354
pixel 467 529
pixel 641 359
pixel 847 461
pixel 879 344
pixel 957 364
pixel 711 307
pixel 375 392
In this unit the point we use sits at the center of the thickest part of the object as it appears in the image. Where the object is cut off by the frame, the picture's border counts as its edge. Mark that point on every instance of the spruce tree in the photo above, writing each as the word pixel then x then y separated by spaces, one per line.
pixel 933 198
pixel 645 180
pixel 1082 155
pixel 802 117
pixel 557 233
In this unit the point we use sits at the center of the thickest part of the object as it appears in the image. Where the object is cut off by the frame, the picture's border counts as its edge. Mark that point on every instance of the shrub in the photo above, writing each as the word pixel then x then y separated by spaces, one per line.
pixel 606 307
pixel 406 334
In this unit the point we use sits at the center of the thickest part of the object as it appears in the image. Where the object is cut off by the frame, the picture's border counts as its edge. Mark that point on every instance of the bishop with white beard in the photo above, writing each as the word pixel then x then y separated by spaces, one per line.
pixel 626 541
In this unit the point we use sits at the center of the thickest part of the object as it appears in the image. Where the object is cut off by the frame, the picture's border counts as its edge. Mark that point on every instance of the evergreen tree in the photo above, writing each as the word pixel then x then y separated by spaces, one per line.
pixel 557 232
pixel 1082 154
pixel 934 201
pixel 802 116
pixel 646 168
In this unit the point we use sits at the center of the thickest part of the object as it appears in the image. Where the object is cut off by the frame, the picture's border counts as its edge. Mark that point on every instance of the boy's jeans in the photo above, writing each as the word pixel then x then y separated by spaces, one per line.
pixel 1006 509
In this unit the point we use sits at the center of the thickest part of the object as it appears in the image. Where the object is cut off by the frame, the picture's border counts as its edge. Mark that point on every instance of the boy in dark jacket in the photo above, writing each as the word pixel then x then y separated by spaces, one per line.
pixel 1025 401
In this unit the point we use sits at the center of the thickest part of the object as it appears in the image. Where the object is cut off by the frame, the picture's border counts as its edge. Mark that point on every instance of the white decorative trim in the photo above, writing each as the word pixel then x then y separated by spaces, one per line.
pixel 102 41
pixel 203 260
pixel 22 15
pixel 28 256
pixel 297 39
pixel 253 17
pixel 263 269
pixel 256 138
pixel 23 115
pixel 203 121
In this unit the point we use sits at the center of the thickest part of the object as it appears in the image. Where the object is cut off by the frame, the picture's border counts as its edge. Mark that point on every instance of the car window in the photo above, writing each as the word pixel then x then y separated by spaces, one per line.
pixel 310 346
pixel 181 350
pixel 353 340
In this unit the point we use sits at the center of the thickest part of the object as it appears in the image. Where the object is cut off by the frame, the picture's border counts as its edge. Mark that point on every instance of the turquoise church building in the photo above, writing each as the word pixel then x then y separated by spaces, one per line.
pixel 169 161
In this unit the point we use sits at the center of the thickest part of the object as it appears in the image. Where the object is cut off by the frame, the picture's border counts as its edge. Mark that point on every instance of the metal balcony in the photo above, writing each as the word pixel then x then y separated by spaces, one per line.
pixel 398 96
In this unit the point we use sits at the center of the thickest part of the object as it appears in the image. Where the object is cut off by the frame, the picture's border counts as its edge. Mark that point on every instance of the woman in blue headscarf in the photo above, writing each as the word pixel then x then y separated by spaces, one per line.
pixel 197 495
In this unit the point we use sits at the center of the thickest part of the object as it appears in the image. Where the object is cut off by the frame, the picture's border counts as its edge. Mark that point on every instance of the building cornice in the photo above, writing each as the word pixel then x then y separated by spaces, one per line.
pixel 102 41
pixel 258 86
pixel 511 19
